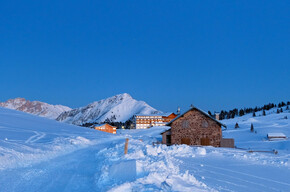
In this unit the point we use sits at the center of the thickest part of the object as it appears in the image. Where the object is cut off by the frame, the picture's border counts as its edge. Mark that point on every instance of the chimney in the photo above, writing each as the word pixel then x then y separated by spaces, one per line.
pixel 178 111
pixel 217 116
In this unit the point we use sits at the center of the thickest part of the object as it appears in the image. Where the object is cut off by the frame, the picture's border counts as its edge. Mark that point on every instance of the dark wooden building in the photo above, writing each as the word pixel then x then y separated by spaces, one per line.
pixel 194 127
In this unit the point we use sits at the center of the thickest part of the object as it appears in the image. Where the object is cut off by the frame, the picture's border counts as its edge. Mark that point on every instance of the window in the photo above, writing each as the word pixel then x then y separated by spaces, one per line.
pixel 204 124
pixel 185 124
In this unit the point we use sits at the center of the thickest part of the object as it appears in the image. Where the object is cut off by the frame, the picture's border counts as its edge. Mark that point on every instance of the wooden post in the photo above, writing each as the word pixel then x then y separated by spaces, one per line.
pixel 126 146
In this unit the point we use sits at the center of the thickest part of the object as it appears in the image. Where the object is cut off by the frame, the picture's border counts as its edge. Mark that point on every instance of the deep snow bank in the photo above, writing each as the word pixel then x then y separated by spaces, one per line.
pixel 156 168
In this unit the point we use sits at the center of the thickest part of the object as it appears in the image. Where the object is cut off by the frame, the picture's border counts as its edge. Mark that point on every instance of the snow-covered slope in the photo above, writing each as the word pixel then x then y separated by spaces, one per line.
pixel 115 109
pixel 27 139
pixel 257 140
pixel 42 154
pixel 35 107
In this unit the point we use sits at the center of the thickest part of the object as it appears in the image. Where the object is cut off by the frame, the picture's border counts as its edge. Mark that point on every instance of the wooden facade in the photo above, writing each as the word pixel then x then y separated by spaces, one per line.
pixel 169 117
pixel 194 127
pixel 106 128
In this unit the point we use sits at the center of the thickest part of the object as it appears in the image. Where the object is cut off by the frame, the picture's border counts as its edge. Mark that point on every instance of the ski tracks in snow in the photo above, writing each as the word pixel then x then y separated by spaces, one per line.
pixel 36 137
pixel 225 179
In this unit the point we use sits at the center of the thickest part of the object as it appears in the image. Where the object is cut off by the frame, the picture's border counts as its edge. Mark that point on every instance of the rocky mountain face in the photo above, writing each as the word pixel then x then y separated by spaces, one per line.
pixel 35 107
pixel 118 108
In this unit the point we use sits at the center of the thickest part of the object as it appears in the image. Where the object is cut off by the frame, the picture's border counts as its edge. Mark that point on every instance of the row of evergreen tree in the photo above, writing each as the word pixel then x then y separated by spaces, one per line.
pixel 236 112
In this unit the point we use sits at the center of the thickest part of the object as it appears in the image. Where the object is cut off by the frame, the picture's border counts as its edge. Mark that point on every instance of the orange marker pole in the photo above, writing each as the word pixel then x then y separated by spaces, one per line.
pixel 126 146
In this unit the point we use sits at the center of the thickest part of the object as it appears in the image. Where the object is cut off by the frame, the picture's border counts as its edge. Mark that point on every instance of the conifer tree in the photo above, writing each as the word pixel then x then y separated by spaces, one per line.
pixel 254 114
pixel 237 125
pixel 209 113
pixel 264 113
pixel 241 112
pixel 252 127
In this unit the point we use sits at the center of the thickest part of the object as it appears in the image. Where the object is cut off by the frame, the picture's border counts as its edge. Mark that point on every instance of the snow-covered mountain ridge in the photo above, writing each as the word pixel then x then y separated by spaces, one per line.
pixel 118 108
pixel 35 107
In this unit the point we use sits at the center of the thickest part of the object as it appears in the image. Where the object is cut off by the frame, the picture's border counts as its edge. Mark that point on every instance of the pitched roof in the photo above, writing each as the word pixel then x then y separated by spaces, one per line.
pixel 167 114
pixel 165 131
pixel 100 125
pixel 158 114
pixel 150 115
pixel 203 112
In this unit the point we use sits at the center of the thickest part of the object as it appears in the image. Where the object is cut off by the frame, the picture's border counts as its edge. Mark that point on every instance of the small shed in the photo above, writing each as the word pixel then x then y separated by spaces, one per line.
pixel 276 136
pixel 166 137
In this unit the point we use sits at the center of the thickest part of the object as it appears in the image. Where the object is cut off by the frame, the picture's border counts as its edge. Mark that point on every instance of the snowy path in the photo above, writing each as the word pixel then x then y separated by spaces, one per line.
pixel 72 172
pixel 228 175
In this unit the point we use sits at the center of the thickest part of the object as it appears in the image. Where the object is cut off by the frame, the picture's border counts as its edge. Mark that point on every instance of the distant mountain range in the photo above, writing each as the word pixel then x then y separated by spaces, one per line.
pixel 35 107
pixel 118 108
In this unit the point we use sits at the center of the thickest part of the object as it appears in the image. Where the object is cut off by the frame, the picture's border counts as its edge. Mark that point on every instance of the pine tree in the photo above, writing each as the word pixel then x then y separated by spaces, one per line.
pixel 281 110
pixel 254 114
pixel 287 108
pixel 237 126
pixel 278 111
pixel 252 127
pixel 264 113
pixel 241 112
pixel 209 113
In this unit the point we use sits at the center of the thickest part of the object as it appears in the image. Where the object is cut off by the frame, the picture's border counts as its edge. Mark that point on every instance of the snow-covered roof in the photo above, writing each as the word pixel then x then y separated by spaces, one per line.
pixel 148 115
pixel 203 112
pixel 99 125
pixel 165 131
pixel 158 114
pixel 280 135
pixel 166 114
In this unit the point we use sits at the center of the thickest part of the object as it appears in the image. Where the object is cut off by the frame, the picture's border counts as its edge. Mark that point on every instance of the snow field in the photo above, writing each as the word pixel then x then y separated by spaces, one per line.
pixel 63 157
pixel 19 155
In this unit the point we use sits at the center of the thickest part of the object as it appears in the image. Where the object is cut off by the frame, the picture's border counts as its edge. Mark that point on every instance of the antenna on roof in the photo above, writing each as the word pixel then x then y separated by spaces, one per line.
pixel 178 111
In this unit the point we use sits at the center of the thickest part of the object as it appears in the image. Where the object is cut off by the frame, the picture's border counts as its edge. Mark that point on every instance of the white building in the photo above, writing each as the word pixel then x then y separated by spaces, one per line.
pixel 145 121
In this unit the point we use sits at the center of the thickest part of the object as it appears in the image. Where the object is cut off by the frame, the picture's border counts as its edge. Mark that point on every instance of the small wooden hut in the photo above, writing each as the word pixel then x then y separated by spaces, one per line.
pixel 106 128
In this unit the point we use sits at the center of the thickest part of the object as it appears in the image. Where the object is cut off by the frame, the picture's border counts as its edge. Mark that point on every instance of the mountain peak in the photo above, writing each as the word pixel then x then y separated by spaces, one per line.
pixel 35 107
pixel 117 108
pixel 124 96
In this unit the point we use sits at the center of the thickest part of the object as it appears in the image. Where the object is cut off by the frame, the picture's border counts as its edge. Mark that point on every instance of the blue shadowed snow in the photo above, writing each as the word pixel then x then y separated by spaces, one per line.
pixel 38 154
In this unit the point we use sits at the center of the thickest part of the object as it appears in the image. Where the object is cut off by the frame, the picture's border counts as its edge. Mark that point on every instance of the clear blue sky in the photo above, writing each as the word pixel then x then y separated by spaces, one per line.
pixel 213 54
